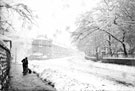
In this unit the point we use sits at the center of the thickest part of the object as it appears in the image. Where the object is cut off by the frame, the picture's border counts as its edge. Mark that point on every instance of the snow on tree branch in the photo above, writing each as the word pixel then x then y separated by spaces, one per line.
pixel 21 9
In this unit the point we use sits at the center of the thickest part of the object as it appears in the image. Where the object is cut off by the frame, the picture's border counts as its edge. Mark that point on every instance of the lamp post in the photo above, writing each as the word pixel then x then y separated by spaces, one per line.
pixel 15 54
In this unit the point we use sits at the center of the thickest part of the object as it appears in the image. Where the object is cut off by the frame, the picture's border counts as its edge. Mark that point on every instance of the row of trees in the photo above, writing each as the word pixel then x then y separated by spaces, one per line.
pixel 108 26
pixel 8 12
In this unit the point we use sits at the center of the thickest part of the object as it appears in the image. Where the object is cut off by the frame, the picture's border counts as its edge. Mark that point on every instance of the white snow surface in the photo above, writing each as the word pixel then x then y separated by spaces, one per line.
pixel 29 82
pixel 77 74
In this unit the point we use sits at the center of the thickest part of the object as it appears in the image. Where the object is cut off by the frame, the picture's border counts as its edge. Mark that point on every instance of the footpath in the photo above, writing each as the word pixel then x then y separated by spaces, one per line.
pixel 29 82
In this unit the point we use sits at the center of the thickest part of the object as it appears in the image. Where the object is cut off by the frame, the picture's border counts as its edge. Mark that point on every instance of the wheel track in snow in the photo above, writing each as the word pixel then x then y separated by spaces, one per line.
pixel 120 80
pixel 95 80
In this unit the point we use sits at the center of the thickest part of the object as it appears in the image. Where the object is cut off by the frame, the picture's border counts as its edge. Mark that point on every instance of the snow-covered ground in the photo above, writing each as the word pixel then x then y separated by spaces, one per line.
pixel 77 74
pixel 29 82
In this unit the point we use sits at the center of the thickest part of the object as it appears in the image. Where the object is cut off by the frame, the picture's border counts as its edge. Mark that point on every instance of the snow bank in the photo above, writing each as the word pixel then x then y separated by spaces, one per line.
pixel 73 74
pixel 62 82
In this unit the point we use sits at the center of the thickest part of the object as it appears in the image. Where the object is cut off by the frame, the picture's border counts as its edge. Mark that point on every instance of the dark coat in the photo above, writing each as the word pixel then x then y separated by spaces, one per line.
pixel 25 62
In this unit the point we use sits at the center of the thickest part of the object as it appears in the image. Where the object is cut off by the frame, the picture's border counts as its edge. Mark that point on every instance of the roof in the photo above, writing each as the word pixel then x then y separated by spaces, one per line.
pixel 3 45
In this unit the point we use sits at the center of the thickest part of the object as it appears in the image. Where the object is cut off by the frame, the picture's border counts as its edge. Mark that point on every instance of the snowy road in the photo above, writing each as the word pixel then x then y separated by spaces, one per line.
pixel 78 74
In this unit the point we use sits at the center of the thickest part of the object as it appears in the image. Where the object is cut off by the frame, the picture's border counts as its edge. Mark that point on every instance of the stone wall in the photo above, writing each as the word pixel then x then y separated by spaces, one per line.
pixel 4 68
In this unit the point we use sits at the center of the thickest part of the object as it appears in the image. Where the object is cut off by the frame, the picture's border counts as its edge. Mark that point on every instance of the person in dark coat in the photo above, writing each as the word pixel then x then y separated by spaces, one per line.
pixel 25 65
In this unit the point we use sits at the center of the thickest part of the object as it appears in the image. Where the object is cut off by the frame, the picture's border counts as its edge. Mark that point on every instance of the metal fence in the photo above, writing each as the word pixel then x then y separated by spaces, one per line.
pixel 5 57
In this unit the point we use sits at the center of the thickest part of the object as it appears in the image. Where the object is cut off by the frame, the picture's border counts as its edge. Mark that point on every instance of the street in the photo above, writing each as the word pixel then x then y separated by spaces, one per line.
pixel 77 74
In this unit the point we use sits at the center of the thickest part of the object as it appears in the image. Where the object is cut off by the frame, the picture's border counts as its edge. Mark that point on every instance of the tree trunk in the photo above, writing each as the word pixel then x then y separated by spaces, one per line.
pixel 123 44
pixel 124 49
pixel 109 43
pixel 97 56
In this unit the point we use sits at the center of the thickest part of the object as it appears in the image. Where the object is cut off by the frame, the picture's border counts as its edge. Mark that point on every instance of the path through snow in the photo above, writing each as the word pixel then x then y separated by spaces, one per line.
pixel 29 82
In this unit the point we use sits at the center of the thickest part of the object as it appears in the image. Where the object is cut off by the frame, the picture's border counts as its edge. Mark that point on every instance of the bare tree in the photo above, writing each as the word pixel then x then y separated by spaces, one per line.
pixel 113 17
pixel 7 9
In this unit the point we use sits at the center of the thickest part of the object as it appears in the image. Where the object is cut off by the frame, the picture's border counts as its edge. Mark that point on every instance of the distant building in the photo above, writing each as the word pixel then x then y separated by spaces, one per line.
pixel 41 46
pixel 45 49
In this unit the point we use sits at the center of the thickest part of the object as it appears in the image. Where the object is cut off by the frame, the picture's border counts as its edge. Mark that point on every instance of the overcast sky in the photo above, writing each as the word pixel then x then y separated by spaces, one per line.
pixel 57 15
